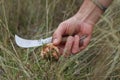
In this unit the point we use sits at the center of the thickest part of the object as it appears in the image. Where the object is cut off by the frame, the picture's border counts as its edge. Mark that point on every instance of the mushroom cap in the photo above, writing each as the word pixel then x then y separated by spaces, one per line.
pixel 50 51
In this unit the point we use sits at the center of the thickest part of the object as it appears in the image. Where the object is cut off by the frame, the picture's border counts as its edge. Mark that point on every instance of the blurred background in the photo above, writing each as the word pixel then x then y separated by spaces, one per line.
pixel 34 19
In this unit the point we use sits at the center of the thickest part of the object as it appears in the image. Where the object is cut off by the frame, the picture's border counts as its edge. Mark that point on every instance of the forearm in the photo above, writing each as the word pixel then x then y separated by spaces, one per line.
pixel 105 2
pixel 90 12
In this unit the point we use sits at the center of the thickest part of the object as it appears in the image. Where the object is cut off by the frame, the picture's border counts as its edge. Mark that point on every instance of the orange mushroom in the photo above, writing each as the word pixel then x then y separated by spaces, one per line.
pixel 50 51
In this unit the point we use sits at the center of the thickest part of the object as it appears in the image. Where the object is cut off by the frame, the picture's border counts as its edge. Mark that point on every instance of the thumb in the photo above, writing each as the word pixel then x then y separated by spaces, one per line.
pixel 56 38
pixel 57 35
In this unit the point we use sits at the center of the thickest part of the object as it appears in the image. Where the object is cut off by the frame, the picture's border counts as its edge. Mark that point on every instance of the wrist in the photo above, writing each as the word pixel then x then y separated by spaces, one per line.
pixel 101 6
pixel 94 17
pixel 89 12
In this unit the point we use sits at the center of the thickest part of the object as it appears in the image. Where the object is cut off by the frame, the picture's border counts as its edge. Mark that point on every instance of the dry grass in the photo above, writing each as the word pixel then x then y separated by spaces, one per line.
pixel 38 18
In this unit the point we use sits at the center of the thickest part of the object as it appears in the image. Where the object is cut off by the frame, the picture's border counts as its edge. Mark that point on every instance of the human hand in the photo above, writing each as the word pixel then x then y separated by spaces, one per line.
pixel 74 28
pixel 77 26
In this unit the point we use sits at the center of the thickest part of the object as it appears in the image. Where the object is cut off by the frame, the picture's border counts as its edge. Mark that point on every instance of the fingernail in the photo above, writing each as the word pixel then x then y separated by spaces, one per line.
pixel 55 41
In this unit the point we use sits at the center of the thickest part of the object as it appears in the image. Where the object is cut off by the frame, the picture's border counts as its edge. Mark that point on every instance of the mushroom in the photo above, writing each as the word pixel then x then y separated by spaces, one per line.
pixel 50 51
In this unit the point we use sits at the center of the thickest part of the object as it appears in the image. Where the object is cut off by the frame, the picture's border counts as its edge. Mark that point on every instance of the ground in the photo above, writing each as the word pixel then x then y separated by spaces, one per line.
pixel 34 19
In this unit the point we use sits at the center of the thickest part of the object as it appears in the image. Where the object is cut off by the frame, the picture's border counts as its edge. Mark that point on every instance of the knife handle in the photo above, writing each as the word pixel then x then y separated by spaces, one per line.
pixel 64 39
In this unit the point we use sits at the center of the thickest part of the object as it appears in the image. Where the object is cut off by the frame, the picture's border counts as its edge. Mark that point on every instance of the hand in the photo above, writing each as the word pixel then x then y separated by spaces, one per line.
pixel 79 25
pixel 74 28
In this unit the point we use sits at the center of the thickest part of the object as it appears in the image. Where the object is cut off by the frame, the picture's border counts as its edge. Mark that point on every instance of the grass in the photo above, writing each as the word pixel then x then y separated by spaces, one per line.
pixel 33 19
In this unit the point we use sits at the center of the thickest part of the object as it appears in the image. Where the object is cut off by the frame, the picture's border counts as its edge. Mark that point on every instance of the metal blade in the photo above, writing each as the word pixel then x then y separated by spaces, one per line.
pixel 31 43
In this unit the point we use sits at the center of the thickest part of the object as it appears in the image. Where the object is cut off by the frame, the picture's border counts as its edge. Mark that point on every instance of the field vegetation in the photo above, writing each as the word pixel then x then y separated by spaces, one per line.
pixel 34 19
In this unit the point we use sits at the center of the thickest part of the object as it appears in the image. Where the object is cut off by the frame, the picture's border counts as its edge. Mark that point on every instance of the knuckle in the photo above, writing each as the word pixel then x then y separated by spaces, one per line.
pixel 63 24
pixel 76 36
pixel 70 39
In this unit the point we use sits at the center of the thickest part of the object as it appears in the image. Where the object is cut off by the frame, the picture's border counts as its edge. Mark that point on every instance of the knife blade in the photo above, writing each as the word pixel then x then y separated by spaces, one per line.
pixel 25 43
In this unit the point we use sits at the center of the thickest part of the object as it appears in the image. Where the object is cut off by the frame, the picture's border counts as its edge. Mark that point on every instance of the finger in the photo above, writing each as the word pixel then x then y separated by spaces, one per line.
pixel 76 47
pixel 57 35
pixel 61 48
pixel 68 46
pixel 85 42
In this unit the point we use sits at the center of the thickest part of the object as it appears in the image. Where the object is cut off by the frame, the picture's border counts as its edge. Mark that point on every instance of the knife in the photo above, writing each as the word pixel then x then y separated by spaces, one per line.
pixel 25 43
